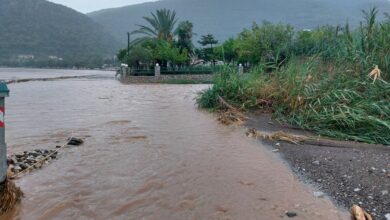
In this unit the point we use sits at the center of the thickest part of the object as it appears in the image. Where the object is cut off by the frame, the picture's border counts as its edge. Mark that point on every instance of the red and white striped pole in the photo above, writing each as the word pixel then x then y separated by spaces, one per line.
pixel 4 92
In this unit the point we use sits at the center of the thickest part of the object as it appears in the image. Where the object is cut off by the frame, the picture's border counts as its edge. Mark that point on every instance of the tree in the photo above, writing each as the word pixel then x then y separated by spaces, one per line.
pixel 266 43
pixel 164 52
pixel 161 25
pixel 226 51
pixel 208 39
pixel 184 36
pixel 208 53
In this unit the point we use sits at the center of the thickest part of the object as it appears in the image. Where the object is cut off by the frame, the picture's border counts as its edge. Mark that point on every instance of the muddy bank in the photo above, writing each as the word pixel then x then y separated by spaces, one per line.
pixel 350 173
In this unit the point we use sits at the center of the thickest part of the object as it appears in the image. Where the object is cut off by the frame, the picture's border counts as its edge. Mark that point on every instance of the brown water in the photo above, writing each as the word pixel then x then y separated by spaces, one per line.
pixel 149 154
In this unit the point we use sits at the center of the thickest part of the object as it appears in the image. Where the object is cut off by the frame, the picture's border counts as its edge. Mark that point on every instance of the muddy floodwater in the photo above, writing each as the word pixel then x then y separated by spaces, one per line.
pixel 149 153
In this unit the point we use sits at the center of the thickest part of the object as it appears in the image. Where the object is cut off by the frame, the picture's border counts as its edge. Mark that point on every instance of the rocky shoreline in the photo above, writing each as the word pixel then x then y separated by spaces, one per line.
pixel 349 173
pixel 35 159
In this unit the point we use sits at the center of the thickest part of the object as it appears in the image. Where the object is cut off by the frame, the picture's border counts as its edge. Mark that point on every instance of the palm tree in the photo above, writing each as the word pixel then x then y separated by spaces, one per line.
pixel 160 26
pixel 184 36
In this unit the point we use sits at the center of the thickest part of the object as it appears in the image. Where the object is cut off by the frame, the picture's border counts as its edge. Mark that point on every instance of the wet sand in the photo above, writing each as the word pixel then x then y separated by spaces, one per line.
pixel 149 153
pixel 349 172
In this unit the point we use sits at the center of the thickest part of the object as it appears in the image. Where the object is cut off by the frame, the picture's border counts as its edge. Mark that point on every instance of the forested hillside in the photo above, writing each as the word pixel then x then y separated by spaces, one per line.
pixel 38 32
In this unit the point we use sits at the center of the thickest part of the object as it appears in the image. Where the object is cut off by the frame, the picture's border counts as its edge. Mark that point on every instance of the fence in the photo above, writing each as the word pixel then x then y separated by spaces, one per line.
pixel 157 71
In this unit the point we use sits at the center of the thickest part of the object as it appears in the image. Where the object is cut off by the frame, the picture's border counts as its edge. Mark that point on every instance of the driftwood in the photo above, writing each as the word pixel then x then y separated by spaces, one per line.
pixel 277 136
pixel 359 214
pixel 297 139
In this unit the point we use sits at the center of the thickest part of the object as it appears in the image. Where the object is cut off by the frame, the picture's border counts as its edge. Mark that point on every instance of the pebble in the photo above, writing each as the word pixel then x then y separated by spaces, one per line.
pixel 316 162
pixel 319 194
pixel 277 144
pixel 384 192
pixel 276 150
pixel 291 214
pixel 17 168
pixel 357 190
pixel 387 216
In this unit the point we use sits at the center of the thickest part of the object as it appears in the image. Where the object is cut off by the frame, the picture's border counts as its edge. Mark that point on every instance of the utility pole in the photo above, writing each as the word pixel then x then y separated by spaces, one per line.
pixel 4 92
pixel 128 43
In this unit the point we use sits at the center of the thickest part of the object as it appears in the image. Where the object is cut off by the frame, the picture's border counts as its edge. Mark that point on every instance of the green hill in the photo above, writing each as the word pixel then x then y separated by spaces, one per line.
pixel 225 18
pixel 41 33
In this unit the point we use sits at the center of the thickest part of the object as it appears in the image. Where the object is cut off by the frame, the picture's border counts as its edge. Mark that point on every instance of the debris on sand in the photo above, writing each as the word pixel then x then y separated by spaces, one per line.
pixel 359 214
pixel 10 195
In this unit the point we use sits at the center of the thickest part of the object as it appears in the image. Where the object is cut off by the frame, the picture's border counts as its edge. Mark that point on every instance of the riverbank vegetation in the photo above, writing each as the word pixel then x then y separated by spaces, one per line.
pixel 168 42
pixel 316 79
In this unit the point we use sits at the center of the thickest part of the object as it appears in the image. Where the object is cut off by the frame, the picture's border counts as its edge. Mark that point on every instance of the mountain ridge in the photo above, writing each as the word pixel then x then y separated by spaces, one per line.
pixel 228 17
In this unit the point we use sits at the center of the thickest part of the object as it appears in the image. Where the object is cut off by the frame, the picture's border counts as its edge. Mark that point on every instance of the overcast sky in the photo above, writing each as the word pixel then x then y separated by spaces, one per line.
pixel 93 5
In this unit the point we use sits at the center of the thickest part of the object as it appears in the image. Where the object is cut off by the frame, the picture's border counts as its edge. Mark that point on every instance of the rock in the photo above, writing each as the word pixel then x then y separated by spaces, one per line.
pixel 23 166
pixel 319 194
pixel 38 166
pixel 276 150
pixel 17 168
pixel 31 160
pixel 291 214
pixel 277 144
pixel 75 141
pixel 357 190
pixel 387 216
pixel 34 154
pixel 384 192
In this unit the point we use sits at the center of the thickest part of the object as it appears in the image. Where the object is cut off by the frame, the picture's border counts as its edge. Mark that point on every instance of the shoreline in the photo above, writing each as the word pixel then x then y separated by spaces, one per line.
pixel 352 173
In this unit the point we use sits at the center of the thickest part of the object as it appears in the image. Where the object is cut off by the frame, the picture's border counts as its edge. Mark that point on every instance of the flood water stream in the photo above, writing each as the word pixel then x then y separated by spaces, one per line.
pixel 149 153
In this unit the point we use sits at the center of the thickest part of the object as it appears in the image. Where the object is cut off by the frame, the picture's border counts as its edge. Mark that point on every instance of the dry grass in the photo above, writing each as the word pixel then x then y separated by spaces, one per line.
pixel 230 115
pixel 359 214
pixel 375 73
